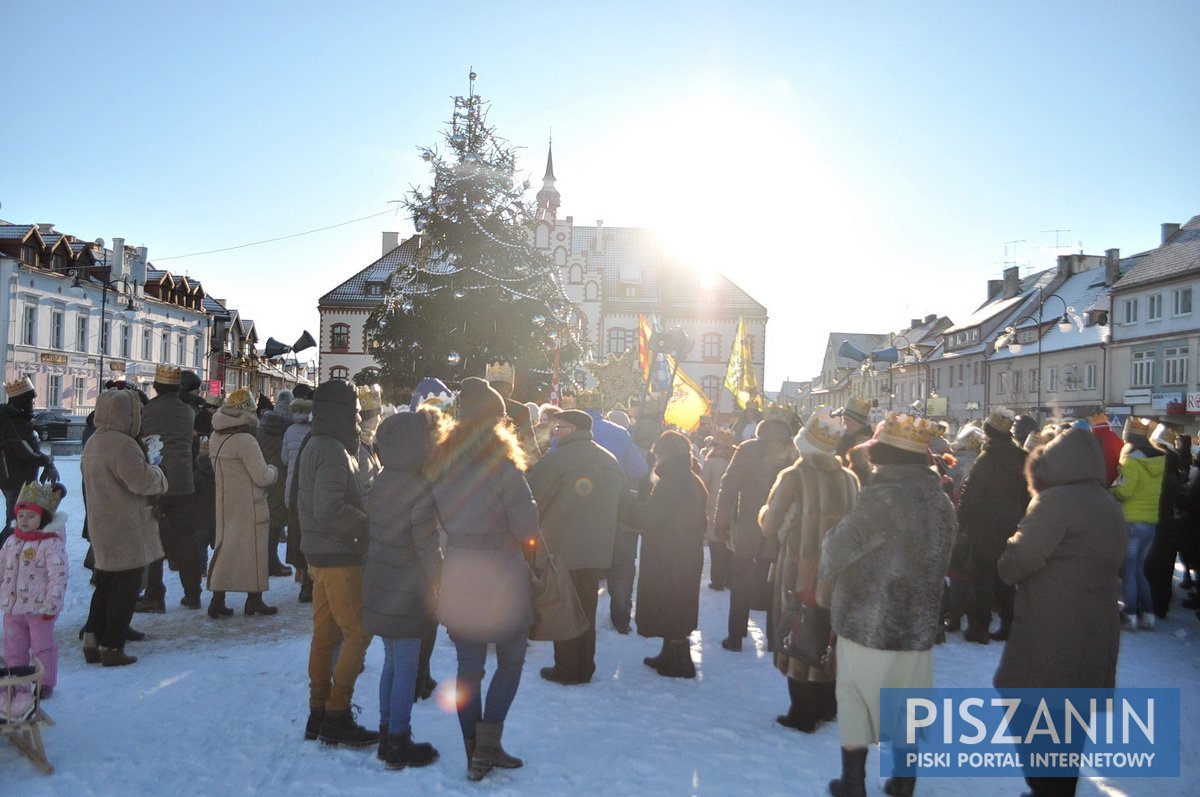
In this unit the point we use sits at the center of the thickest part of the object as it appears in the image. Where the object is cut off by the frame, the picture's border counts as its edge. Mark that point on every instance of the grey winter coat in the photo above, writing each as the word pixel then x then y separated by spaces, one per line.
pixel 578 487
pixel 404 558
pixel 994 496
pixel 272 427
pixel 332 516
pixel 1064 560
pixel 168 417
pixel 745 486
pixel 889 556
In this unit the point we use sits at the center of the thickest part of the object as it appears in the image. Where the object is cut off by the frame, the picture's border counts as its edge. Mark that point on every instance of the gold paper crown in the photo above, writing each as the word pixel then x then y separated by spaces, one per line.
pixel 777 412
pixel 167 375
pixel 857 409
pixel 1163 436
pixel 1136 426
pixel 908 432
pixel 823 431
pixel 240 400
pixel 40 494
pixel 17 387
pixel 500 372
pixel 588 400
pixel 370 399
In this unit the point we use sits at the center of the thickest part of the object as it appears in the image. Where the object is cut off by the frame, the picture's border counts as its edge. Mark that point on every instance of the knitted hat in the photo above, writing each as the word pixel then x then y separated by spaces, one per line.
pixel 283 402
pixel 432 390
pixel 619 417
pixel 302 391
pixel 240 400
pixel 821 434
pixel 188 381
pixel 479 401
pixel 577 418
pixel 18 387
pixel 1001 419
pixel 300 409
pixel 1023 426
pixel 335 393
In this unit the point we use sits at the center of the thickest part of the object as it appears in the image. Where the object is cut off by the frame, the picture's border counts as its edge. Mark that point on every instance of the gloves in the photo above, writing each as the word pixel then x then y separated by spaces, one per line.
pixel 49 473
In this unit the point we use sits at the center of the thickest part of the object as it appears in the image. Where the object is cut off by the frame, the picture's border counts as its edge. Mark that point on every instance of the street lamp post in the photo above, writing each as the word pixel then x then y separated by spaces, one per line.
pixel 1009 338
pixel 80 288
pixel 915 353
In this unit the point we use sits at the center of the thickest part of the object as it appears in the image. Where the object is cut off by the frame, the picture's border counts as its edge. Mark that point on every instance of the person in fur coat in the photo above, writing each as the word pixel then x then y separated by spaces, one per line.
pixel 889 556
pixel 808 499
pixel 33 581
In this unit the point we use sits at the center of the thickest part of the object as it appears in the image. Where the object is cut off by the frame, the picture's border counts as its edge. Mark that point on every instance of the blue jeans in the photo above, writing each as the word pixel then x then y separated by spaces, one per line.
pixel 1135 587
pixel 621 577
pixel 510 658
pixel 397 683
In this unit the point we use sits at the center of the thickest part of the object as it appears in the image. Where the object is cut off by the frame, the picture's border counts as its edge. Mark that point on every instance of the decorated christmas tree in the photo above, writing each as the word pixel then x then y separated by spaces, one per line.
pixel 477 291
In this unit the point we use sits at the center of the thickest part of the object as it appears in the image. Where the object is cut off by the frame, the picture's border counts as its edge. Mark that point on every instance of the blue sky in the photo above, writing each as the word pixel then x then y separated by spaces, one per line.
pixel 851 165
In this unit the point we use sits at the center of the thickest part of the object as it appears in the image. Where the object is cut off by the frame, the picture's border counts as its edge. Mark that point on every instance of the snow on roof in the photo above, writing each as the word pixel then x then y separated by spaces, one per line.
pixel 1178 257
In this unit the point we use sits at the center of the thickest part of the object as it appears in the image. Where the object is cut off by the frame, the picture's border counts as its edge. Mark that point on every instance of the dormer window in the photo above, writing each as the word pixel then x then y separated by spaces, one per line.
pixel 375 288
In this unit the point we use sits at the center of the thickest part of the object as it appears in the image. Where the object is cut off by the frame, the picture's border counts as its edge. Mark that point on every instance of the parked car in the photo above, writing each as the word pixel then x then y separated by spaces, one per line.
pixel 51 424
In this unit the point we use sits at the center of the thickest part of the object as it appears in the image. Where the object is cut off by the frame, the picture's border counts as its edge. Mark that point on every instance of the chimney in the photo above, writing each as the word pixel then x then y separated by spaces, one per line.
pixel 1012 281
pixel 137 267
pixel 913 323
pixel 1112 266
pixel 1168 230
pixel 929 319
pixel 993 289
pixel 45 228
pixel 390 241
pixel 1063 263
pixel 117 265
pixel 599 247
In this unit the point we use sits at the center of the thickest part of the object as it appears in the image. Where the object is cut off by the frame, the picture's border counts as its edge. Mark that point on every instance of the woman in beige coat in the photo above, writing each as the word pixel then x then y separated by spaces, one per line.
pixel 119 483
pixel 239 561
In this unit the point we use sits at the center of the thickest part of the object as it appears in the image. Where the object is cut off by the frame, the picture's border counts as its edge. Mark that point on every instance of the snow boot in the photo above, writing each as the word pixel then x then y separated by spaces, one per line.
pixel 381 753
pixel 678 663
pixel 190 600
pixel 657 661
pixel 489 752
pixel 826 692
pixel 217 608
pixel 1001 633
pixel 339 728
pixel 976 633
pixel 91 649
pixel 255 605
pixel 900 787
pixel 802 714
pixel 306 588
pixel 312 728
pixel 148 605
pixel 853 782
pixel 115 657
pixel 401 751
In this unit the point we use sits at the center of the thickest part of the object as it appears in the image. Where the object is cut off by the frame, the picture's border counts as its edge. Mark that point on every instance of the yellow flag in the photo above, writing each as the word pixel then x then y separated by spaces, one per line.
pixel 687 404
pixel 739 375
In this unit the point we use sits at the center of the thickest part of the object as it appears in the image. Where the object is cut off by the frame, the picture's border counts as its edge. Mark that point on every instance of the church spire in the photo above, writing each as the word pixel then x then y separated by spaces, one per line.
pixel 548 199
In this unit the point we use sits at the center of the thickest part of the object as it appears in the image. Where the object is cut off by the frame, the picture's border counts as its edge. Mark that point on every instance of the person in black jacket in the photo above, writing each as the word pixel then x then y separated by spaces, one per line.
pixel 400 576
pixel 20 449
pixel 993 501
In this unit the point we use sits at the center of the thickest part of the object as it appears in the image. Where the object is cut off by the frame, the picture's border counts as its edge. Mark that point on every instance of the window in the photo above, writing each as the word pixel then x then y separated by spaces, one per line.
pixel 1051 379
pixel 712 387
pixel 616 341
pixel 1070 378
pixel 1002 383
pixel 575 275
pixel 1154 307
pixel 180 349
pixel 57 329
pixel 105 336
pixel 54 397
pixel 1143 369
pixel 1089 376
pixel 1033 380
pixel 80 390
pixel 1129 311
pixel 29 326
pixel 196 343
pixel 374 289
pixel 147 354
pixel 339 337
pixel 1175 365
pixel 81 334
pixel 1181 301
pixel 164 347
pixel 126 340
pixel 591 292
pixel 339 372
pixel 975 373
pixel 711 346
pixel 1016 377
pixel 630 290
pixel 29 255
pixel 960 375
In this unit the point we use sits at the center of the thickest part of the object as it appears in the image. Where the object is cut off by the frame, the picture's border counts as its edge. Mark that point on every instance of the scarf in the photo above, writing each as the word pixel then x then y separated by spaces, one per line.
pixel 33 536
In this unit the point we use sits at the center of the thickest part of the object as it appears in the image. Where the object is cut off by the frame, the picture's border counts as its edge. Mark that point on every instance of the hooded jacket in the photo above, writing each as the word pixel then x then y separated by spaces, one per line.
pixel 168 417
pixel 1140 483
pixel 119 483
pixel 239 560
pixel 33 574
pixel 404 558
pixel 272 427
pixel 333 520
pixel 19 448
pixel 994 496
pixel 1064 560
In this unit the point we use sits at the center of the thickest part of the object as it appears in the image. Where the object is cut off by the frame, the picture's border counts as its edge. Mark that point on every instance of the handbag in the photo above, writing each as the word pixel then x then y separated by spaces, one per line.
pixel 809 632
pixel 557 613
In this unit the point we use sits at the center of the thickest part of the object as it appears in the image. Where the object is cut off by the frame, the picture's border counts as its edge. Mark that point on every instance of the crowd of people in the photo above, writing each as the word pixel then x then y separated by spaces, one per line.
pixel 398 523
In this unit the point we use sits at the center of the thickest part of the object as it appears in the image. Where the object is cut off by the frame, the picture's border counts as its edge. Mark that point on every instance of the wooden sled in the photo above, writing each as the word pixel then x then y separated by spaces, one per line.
pixel 26 734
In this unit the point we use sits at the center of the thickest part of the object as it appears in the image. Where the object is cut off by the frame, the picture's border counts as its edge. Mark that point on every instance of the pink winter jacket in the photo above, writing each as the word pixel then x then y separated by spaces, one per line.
pixel 33 575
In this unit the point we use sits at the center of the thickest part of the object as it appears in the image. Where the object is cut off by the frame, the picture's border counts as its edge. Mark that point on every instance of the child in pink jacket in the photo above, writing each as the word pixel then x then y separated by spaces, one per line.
pixel 33 580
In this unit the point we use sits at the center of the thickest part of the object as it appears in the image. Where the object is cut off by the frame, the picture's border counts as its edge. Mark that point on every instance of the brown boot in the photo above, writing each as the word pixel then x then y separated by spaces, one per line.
pixel 91 649
pixel 115 657
pixel 488 752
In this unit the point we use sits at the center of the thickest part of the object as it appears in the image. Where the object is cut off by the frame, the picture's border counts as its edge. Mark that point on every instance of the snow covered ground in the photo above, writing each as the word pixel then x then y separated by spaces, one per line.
pixel 218 708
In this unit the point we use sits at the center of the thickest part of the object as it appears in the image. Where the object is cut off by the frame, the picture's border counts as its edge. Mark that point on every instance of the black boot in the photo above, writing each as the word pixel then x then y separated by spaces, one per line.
pixel 657 661
pixel 1001 633
pixel 853 782
pixel 826 692
pixel 312 728
pixel 900 787
pixel 306 588
pixel 402 751
pixel 976 632
pixel 339 727
pixel 678 662
pixel 488 752
pixel 217 608
pixel 255 605
pixel 802 713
